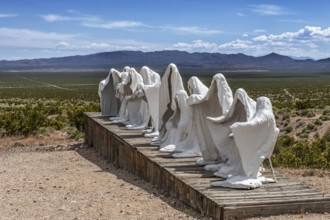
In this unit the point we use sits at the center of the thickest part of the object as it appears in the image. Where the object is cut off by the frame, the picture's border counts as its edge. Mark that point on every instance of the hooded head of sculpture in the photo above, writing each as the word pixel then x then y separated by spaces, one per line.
pixel 224 92
pixel 116 76
pixel 248 103
pixel 195 86
pixel 263 103
pixel 126 69
pixel 149 76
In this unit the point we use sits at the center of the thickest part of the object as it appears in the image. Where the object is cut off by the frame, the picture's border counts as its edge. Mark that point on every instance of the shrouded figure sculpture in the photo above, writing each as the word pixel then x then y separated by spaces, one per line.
pixel 122 90
pixel 216 102
pixel 133 101
pixel 178 125
pixel 186 139
pixel 241 110
pixel 255 140
pixel 170 84
pixel 148 94
pixel 109 102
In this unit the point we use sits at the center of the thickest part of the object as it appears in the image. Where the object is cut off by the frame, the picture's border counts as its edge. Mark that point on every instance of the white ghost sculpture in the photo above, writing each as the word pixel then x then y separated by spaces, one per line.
pixel 123 90
pixel 109 103
pixel 255 140
pixel 134 101
pixel 148 94
pixel 178 125
pixel 216 102
pixel 170 84
pixel 185 139
pixel 119 89
pixel 241 110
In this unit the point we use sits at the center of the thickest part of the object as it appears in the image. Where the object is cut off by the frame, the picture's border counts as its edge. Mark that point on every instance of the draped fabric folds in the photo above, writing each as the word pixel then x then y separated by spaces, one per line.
pixel 109 102
pixel 216 102
pixel 145 94
pixel 171 83
pixel 255 140
pixel 241 110
pixel 188 143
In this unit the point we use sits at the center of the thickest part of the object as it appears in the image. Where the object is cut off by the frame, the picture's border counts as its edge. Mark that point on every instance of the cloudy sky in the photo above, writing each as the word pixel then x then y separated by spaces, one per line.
pixel 38 29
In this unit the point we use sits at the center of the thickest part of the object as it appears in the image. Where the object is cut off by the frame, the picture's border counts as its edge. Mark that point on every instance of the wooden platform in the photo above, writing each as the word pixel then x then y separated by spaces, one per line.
pixel 191 184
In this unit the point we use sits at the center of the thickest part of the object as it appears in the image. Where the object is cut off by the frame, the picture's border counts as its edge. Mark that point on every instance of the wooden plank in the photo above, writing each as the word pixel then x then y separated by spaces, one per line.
pixel 181 177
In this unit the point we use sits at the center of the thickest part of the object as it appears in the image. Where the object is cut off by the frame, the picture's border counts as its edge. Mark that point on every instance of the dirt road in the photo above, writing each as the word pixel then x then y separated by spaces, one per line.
pixel 45 181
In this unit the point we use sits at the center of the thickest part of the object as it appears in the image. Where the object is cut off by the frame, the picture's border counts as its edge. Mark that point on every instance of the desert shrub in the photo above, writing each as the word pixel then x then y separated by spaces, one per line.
pixel 289 152
pixel 324 118
pixel 76 114
pixel 303 104
pixel 310 114
pixel 303 112
pixel 310 127
pixel 34 117
pixel 299 123
pixel 326 112
pixel 288 129
pixel 318 122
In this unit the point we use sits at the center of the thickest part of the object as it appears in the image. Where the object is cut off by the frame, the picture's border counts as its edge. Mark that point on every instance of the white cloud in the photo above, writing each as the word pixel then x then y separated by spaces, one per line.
pixel 26 38
pixel 197 45
pixel 102 46
pixel 76 17
pixel 28 34
pixel 305 34
pixel 245 35
pixel 7 15
pixel 91 21
pixel 113 24
pixel 308 41
pixel 259 30
pixel 54 18
pixel 193 30
pixel 237 44
pixel 264 9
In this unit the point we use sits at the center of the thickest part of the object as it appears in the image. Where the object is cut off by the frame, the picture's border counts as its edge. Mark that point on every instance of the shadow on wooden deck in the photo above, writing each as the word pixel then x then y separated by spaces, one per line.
pixel 190 183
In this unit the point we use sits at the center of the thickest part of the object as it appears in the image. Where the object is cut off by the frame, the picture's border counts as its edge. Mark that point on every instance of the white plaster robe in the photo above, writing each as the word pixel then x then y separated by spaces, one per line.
pixel 152 82
pixel 170 84
pixel 255 141
pixel 148 94
pixel 179 124
pixel 122 90
pixel 182 140
pixel 241 110
pixel 133 100
pixel 109 103
pixel 216 102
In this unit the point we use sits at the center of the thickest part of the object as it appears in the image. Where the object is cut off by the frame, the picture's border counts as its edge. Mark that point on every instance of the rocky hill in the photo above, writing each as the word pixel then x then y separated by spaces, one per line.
pixel 160 59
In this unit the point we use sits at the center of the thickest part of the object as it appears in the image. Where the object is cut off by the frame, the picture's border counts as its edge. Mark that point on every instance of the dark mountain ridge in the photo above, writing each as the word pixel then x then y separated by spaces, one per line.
pixel 160 60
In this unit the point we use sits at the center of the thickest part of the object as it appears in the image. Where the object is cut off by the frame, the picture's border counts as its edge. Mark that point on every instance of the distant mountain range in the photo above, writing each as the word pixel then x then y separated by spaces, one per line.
pixel 159 60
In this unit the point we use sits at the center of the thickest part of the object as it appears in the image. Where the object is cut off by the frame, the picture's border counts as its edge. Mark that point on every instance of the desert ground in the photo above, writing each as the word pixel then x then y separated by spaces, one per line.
pixel 53 177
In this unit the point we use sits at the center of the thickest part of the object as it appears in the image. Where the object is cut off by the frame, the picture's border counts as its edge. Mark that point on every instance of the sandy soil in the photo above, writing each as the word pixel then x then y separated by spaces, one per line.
pixel 66 180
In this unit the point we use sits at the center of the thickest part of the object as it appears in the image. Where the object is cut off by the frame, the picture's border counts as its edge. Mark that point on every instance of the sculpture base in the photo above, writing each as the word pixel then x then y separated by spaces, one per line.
pixel 181 177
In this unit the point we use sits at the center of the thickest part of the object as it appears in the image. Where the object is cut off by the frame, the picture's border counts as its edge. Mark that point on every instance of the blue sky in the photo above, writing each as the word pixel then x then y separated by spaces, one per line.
pixel 42 29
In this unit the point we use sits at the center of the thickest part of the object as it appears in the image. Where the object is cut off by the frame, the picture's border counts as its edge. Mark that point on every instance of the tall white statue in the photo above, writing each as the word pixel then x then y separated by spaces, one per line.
pixel 122 90
pixel 241 110
pixel 152 82
pixel 255 140
pixel 107 92
pixel 216 102
pixel 133 101
pixel 148 94
pixel 178 125
pixel 170 84
pixel 185 139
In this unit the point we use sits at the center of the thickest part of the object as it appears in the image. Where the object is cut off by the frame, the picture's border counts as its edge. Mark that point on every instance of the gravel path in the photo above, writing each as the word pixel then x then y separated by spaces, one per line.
pixel 72 182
